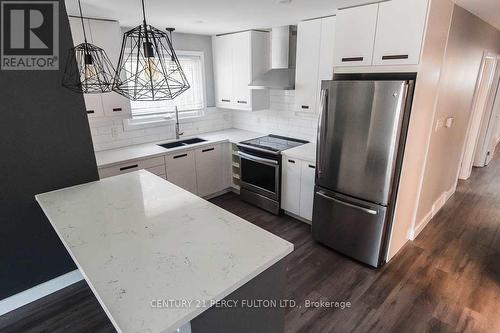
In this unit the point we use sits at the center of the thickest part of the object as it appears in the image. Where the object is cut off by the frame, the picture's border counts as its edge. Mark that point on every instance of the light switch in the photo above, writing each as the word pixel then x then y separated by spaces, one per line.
pixel 449 122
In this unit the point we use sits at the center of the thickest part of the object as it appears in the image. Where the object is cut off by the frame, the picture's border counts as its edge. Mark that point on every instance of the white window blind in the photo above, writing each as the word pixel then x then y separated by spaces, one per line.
pixel 189 103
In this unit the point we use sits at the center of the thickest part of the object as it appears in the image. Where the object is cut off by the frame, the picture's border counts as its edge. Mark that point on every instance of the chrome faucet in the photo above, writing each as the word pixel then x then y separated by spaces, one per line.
pixel 177 129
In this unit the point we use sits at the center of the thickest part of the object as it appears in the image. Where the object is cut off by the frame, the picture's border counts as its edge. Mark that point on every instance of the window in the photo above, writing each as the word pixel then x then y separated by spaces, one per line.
pixel 190 103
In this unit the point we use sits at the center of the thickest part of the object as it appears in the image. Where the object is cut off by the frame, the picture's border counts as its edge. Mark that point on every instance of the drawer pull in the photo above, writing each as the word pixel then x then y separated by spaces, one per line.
pixel 225 100
pixel 312 166
pixel 350 59
pixel 208 149
pixel 90 111
pixel 117 109
pixel 179 156
pixel 128 167
pixel 291 161
pixel 395 57
pixel 305 106
pixel 242 102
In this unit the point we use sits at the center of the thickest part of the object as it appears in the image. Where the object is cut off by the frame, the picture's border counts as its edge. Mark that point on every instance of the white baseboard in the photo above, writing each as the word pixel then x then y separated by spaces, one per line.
pixel 436 207
pixel 16 301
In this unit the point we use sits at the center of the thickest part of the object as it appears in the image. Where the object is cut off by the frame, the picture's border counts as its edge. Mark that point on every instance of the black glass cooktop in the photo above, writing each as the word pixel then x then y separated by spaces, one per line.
pixel 274 143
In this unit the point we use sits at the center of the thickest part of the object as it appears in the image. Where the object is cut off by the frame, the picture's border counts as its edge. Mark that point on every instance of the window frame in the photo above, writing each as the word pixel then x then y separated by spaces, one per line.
pixel 168 117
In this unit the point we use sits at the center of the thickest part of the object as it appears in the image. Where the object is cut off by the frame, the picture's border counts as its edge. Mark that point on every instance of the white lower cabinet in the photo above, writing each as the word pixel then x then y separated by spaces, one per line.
pixel 297 187
pixel 203 171
pixel 210 170
pixel 307 189
pixel 155 165
pixel 181 170
pixel 290 185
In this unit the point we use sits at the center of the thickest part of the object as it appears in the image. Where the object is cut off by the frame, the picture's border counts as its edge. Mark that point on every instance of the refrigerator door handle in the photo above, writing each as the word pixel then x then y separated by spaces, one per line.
pixel 366 210
pixel 322 119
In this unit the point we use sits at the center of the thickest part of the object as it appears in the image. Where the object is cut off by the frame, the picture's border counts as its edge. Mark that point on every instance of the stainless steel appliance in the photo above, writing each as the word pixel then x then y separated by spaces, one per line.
pixel 260 170
pixel 361 135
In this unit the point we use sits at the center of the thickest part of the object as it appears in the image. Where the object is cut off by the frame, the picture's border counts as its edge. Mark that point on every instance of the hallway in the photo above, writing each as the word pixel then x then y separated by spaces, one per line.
pixel 447 280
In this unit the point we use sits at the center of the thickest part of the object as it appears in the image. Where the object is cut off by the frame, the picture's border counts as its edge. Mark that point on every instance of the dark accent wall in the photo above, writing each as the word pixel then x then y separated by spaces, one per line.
pixel 45 144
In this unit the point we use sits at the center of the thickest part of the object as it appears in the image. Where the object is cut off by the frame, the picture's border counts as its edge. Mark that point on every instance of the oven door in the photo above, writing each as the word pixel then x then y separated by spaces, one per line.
pixel 260 175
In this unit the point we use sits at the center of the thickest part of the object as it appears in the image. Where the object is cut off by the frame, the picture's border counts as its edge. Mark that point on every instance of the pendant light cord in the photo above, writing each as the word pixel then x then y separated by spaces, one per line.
pixel 83 25
pixel 144 22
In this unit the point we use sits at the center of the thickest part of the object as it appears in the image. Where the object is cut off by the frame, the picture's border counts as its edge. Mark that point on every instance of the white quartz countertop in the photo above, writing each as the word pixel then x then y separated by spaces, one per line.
pixel 305 152
pixel 137 238
pixel 107 158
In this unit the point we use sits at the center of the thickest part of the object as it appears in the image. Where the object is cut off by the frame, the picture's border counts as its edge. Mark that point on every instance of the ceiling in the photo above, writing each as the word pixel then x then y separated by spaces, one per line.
pixel 209 17
pixel 488 10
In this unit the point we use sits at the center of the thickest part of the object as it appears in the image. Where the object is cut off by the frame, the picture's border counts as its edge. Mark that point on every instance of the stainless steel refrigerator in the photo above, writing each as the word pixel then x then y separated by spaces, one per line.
pixel 361 136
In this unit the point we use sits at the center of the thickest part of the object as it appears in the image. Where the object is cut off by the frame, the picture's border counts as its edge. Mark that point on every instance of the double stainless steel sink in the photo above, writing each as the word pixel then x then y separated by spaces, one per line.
pixel 181 143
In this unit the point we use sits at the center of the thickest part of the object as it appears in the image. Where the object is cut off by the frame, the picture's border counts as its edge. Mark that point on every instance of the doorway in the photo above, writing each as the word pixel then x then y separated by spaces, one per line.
pixel 483 132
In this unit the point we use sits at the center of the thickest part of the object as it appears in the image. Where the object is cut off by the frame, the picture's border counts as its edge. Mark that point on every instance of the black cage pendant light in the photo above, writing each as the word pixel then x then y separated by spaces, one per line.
pixel 92 73
pixel 148 69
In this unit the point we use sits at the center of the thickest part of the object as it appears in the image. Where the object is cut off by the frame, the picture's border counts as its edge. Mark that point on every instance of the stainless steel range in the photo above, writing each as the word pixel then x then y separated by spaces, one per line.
pixel 260 170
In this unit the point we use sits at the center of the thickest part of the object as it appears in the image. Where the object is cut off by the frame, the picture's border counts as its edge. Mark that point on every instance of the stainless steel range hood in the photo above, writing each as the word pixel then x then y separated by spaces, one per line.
pixel 282 72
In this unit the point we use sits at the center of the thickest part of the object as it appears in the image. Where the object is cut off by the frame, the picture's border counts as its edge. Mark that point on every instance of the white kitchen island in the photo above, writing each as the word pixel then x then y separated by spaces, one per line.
pixel 157 256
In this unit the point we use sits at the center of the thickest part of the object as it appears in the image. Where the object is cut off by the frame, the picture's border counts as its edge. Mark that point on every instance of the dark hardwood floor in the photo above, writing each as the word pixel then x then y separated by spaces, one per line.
pixel 447 280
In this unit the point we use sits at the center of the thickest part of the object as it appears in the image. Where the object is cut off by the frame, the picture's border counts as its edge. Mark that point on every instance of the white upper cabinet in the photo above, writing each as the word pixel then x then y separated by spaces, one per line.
pixel 238 59
pixel 400 31
pixel 354 36
pixel 242 74
pixel 315 52
pixel 106 35
pixel 307 65
pixel 223 66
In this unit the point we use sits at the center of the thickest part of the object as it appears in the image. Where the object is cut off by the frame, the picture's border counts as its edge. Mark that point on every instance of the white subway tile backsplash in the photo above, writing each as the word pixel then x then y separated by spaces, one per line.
pixel 280 119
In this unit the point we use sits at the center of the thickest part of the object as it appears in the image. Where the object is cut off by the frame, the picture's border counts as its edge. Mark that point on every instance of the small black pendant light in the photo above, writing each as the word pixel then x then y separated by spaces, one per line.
pixel 148 69
pixel 92 73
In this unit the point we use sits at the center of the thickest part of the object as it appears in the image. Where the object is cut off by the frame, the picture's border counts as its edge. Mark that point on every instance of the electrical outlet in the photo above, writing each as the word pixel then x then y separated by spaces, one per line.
pixel 114 132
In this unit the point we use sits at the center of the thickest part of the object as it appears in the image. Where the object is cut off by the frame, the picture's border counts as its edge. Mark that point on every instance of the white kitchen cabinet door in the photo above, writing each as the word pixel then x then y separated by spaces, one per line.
pixel 93 102
pixel 307 190
pixel 307 65
pixel 210 170
pixel 107 35
pixel 181 170
pixel 290 185
pixel 242 75
pixel 93 105
pixel 223 61
pixel 400 32
pixel 326 53
pixel 355 35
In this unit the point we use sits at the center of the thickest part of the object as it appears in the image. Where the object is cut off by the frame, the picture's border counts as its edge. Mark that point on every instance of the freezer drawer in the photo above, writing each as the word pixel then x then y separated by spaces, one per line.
pixel 349 226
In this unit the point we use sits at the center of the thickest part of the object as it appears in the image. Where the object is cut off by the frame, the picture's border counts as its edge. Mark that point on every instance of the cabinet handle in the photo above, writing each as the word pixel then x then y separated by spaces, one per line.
pixel 208 149
pixel 179 156
pixel 349 59
pixel 242 102
pixel 117 109
pixel 291 161
pixel 129 167
pixel 225 100
pixel 90 111
pixel 395 56
pixel 305 106
pixel 312 166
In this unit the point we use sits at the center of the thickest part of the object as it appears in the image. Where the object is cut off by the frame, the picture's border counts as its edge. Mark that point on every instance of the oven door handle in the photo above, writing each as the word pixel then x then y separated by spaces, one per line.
pixel 257 159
